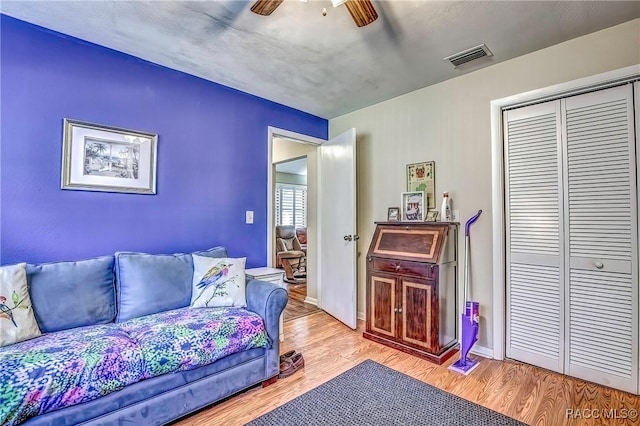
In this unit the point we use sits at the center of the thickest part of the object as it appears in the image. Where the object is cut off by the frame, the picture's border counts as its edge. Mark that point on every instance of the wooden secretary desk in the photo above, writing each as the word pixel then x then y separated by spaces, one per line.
pixel 412 276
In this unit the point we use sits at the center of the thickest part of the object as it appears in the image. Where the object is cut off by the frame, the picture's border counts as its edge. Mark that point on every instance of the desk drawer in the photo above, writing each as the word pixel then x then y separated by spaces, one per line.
pixel 424 270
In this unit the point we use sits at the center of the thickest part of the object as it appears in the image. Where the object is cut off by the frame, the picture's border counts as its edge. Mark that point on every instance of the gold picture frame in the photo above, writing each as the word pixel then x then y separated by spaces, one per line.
pixel 432 216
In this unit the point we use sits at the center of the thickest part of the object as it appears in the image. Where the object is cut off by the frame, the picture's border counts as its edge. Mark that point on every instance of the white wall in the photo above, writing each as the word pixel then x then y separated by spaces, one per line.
pixel 285 149
pixel 291 179
pixel 288 149
pixel 450 123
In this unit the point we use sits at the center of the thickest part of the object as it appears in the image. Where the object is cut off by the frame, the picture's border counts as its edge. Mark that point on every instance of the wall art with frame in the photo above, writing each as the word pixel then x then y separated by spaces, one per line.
pixel 422 177
pixel 105 158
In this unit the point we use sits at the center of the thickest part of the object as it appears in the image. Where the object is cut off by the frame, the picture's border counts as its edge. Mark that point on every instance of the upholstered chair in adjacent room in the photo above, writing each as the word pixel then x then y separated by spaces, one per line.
pixel 301 233
pixel 290 254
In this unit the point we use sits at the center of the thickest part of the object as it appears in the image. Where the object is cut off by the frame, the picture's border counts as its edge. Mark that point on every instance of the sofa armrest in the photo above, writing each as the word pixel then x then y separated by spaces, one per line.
pixel 267 300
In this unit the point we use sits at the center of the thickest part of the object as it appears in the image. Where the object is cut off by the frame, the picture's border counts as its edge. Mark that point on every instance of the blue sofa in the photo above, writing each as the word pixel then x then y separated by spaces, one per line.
pixel 112 291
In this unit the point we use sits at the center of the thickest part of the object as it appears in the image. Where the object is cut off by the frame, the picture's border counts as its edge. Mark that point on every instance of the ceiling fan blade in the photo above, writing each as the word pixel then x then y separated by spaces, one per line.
pixel 265 7
pixel 361 11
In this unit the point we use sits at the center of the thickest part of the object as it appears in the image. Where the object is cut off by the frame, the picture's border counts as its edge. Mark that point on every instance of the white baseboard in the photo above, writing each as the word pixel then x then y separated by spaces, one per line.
pixel 361 316
pixel 482 351
pixel 311 301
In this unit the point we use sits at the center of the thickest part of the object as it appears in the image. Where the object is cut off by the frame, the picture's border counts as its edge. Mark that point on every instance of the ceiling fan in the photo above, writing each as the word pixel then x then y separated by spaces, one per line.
pixel 361 11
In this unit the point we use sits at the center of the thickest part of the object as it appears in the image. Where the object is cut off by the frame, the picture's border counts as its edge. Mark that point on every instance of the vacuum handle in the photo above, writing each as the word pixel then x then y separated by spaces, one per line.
pixel 471 222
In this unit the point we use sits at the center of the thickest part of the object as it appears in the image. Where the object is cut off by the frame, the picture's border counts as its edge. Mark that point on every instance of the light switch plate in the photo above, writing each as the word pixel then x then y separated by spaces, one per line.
pixel 456 216
pixel 249 216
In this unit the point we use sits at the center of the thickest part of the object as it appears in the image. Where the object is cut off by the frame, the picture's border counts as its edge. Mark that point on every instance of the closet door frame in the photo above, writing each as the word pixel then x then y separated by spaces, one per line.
pixel 599 81
pixel 636 101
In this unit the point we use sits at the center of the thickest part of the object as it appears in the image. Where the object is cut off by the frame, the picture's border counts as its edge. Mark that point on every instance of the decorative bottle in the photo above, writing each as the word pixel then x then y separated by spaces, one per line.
pixel 445 211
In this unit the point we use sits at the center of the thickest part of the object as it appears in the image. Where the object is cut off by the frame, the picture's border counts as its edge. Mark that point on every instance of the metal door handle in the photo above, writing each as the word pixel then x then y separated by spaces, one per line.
pixel 348 238
pixel 599 265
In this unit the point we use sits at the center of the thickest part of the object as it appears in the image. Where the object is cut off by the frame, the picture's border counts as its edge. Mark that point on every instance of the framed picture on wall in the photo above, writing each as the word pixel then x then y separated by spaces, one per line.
pixel 422 177
pixel 413 206
pixel 105 158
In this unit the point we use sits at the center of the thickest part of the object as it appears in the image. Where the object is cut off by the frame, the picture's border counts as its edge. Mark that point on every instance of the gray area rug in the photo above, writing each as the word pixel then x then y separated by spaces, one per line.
pixel 372 394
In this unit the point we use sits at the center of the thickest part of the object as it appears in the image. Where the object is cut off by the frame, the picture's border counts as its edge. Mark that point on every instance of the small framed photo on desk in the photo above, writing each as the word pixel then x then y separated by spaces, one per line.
pixel 413 206
pixel 432 216
pixel 393 215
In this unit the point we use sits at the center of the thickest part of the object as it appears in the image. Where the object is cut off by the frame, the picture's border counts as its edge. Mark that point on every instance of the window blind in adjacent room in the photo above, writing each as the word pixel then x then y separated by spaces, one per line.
pixel 291 205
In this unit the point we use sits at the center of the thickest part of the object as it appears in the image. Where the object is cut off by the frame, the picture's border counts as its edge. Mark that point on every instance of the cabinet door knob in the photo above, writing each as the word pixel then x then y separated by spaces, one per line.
pixel 369 258
pixel 399 310
pixel 397 267
pixel 356 237
pixel 395 309
pixel 348 237
pixel 599 265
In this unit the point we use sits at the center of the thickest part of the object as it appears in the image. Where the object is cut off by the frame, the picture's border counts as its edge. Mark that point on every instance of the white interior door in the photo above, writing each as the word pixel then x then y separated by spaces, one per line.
pixel 602 268
pixel 572 236
pixel 535 292
pixel 337 227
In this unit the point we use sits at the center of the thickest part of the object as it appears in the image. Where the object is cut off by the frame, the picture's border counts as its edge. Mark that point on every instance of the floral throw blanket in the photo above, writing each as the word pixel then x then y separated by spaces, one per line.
pixel 79 365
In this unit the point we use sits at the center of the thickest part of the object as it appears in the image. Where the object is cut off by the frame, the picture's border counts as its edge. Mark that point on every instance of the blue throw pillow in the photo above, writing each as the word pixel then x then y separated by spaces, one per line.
pixel 216 252
pixel 152 283
pixel 72 294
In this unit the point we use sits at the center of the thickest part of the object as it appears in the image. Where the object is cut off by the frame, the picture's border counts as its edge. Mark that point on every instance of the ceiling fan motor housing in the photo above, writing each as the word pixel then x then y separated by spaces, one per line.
pixel 362 11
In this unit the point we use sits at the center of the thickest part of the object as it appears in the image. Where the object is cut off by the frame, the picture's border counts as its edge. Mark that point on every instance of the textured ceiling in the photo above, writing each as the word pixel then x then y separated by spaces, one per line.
pixel 323 65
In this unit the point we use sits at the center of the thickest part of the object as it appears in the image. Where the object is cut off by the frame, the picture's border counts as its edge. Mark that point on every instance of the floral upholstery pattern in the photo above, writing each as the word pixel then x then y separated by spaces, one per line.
pixel 195 338
pixel 78 365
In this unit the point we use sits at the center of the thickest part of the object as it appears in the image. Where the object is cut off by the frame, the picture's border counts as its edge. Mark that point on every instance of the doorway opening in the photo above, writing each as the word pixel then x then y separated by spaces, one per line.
pixel 292 236
pixel 291 206
pixel 331 276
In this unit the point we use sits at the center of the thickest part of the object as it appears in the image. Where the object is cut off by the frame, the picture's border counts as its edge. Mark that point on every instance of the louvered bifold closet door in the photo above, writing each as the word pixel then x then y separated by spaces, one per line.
pixel 602 269
pixel 534 245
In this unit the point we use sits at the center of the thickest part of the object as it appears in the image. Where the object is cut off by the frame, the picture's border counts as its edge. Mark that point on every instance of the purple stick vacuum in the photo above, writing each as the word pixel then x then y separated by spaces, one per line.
pixel 470 320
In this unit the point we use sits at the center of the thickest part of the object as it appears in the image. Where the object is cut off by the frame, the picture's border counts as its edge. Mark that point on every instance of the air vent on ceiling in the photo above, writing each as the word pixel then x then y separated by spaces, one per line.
pixel 469 55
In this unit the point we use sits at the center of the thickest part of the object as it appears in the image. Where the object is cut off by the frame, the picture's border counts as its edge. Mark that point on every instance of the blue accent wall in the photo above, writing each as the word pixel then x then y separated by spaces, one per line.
pixel 211 164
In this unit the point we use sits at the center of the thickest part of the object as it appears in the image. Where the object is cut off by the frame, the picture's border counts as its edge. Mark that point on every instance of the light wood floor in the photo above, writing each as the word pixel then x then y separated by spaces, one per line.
pixel 296 307
pixel 529 394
